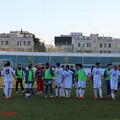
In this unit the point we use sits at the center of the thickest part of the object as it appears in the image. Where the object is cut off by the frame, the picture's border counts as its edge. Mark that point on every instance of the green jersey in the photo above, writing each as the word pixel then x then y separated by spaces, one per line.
pixel 30 75
pixel 107 75
pixel 48 74
pixel 81 75
pixel 19 73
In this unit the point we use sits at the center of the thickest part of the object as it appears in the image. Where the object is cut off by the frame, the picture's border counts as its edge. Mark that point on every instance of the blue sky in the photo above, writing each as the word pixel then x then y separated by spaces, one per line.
pixel 48 18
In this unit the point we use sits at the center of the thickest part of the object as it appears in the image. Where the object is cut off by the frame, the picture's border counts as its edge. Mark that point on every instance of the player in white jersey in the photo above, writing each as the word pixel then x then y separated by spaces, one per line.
pixel 63 86
pixel 114 76
pixel 97 80
pixel 67 80
pixel 58 81
pixel 8 78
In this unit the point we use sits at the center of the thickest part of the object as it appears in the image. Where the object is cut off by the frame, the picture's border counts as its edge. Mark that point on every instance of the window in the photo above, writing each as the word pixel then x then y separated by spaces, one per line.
pixel 28 43
pixel 2 42
pixel 6 42
pixel 79 45
pixel 17 42
pixel 109 45
pixel 101 51
pixel 109 51
pixel 83 44
pixel 88 44
pixel 105 45
pixel 100 45
pixel 24 42
pixel 20 42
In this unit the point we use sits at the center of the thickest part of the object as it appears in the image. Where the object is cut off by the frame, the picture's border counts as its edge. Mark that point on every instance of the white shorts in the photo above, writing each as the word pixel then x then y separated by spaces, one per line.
pixel 28 85
pixel 68 84
pixel 58 83
pixel 81 84
pixel 114 84
pixel 76 85
pixel 97 83
pixel 8 85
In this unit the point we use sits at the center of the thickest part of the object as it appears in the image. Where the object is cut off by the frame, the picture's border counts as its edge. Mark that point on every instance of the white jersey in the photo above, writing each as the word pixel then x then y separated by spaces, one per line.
pixel 68 78
pixel 114 74
pixel 59 73
pixel 97 73
pixel 67 75
pixel 7 72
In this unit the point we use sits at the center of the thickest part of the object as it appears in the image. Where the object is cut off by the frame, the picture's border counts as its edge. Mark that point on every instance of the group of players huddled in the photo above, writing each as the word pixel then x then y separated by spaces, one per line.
pixel 63 78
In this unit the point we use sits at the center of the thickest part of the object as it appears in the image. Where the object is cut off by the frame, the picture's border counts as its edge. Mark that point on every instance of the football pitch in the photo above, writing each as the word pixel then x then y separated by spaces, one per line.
pixel 40 108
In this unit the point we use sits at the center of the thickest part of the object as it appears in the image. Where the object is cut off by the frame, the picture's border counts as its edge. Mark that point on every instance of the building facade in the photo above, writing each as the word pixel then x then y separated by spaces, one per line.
pixel 16 41
pixel 94 44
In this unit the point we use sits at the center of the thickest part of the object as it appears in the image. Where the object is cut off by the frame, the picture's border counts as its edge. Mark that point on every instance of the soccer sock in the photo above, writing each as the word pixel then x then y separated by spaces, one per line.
pixel 51 89
pixel 112 94
pixel 32 91
pixel 100 92
pixel 56 91
pixel 69 91
pixel 95 92
pixel 76 92
pixel 6 93
pixel 46 90
pixel 60 92
pixel 63 91
pixel 83 92
pixel 66 92
pixel 10 92
pixel 80 92
pixel 4 90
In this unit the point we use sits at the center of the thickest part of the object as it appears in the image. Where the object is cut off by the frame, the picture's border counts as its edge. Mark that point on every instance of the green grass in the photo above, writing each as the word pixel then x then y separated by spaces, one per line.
pixel 40 108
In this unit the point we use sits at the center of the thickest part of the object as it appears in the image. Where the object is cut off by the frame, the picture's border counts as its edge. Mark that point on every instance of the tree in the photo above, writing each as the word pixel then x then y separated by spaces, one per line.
pixel 38 45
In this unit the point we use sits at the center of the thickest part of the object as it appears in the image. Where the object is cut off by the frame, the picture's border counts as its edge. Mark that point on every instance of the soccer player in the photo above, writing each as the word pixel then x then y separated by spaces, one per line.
pixel 20 77
pixel 48 77
pixel 119 78
pixel 97 80
pixel 67 80
pixel 76 79
pixel 114 76
pixel 58 81
pixel 8 78
pixel 82 78
pixel 39 78
pixel 73 70
pixel 63 85
pixel 107 78
pixel 28 81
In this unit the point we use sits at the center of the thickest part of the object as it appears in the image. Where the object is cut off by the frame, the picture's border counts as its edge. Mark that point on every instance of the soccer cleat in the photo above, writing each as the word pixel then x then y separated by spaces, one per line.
pixel 51 96
pixel 46 96
pixel 95 97
pixel 63 95
pixel 22 91
pixel 113 98
pixel 101 98
pixel 66 97
pixel 108 96
pixel 56 96
pixel 81 97
pixel 7 98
